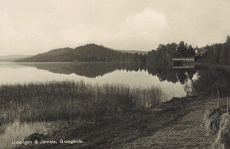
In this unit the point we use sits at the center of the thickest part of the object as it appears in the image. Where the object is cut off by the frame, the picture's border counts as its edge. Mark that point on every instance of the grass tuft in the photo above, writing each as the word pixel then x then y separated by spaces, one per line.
pixel 223 137
pixel 212 120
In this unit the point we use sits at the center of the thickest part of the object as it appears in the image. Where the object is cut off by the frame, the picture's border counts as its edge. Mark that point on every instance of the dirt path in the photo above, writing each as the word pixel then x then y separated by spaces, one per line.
pixel 174 124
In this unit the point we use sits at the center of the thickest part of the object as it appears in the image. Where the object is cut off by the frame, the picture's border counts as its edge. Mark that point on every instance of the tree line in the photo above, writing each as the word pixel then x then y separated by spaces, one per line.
pixel 211 54
pixel 95 53
pixel 162 56
pixel 217 53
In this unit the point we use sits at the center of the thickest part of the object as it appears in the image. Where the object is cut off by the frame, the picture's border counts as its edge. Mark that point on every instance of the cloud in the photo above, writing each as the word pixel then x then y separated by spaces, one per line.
pixel 148 20
pixel 31 27
pixel 145 28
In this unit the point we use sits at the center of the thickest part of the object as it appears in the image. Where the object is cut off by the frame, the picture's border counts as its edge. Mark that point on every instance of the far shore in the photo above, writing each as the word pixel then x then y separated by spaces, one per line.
pixel 210 65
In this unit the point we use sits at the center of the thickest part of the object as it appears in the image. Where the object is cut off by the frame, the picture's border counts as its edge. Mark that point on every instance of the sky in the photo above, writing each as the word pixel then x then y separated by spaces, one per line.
pixel 36 26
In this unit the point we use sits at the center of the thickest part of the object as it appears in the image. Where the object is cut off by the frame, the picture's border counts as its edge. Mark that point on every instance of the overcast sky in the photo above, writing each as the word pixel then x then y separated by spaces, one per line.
pixel 37 26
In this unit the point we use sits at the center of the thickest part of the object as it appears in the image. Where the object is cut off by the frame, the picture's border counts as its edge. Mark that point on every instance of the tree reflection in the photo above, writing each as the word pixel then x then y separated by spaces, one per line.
pixel 93 70
pixel 207 84
pixel 211 80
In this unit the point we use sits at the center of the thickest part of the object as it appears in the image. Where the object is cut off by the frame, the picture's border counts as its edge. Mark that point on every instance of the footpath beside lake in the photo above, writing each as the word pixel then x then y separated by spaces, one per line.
pixel 177 123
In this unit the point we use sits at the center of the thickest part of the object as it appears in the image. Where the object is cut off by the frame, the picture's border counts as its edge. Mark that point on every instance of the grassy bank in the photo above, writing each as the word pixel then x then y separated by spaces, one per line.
pixel 71 100
pixel 174 124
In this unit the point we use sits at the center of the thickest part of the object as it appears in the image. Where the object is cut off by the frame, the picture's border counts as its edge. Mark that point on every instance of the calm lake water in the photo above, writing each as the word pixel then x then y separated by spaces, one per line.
pixel 97 73
pixel 170 81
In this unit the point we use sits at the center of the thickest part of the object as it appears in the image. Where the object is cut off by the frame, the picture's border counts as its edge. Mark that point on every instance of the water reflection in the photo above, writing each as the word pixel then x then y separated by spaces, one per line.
pixel 212 80
pixel 170 80
pixel 93 70
pixel 173 75
pixel 183 66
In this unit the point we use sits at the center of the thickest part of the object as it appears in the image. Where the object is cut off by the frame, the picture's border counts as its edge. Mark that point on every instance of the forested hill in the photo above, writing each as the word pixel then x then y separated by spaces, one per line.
pixel 86 53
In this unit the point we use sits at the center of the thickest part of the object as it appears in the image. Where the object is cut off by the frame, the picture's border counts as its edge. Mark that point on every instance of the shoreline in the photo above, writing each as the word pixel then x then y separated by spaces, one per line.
pixel 211 66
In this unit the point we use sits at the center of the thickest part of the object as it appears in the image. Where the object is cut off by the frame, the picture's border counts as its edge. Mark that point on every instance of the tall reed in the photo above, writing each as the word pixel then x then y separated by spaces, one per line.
pixel 68 100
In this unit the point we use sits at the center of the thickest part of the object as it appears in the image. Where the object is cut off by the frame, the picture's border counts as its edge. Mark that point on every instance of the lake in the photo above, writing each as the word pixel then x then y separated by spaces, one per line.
pixel 98 73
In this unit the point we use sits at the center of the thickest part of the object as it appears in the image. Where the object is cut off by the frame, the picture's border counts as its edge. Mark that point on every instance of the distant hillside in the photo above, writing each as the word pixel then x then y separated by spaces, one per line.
pixel 134 51
pixel 13 57
pixel 86 53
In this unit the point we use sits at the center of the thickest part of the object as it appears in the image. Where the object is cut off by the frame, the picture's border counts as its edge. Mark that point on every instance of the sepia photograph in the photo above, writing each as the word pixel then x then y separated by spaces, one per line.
pixel 114 74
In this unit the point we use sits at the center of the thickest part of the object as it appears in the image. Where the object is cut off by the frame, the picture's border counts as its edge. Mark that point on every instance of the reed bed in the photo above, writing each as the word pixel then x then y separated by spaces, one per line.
pixel 69 100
